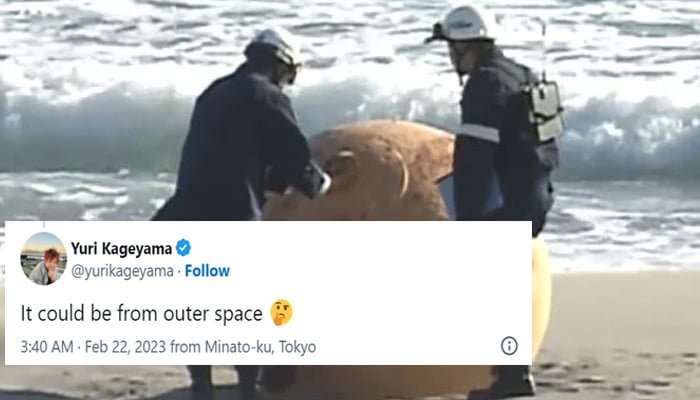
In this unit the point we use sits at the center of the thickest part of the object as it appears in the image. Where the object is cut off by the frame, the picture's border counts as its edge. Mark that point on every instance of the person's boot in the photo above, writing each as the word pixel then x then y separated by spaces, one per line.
pixel 202 386
pixel 247 381
pixel 513 381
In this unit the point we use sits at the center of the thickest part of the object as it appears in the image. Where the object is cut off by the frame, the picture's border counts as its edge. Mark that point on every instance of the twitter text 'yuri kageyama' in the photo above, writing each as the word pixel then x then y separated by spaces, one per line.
pixel 271 293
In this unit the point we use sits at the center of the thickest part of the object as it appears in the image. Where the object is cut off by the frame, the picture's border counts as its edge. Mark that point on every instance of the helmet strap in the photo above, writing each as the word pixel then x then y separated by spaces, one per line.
pixel 284 74
pixel 460 74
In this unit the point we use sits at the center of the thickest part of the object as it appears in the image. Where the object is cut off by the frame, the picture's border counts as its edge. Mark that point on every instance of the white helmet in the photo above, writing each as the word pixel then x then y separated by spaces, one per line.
pixel 466 23
pixel 284 45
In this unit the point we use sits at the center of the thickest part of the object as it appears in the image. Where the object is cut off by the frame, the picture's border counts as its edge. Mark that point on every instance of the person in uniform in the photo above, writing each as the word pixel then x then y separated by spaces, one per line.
pixel 243 142
pixel 505 149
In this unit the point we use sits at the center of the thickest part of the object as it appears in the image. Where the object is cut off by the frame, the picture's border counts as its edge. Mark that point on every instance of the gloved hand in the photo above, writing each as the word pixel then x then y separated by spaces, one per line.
pixel 326 184
pixel 314 182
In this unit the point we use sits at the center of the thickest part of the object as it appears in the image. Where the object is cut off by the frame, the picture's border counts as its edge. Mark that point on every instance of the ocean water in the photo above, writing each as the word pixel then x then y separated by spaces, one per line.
pixel 95 98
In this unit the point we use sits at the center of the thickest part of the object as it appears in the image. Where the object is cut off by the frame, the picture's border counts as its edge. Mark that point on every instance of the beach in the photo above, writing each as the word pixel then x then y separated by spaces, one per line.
pixel 611 336
pixel 97 137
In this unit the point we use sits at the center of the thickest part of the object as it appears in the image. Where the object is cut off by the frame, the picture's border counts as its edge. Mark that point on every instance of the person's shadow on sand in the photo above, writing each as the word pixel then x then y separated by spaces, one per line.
pixel 224 392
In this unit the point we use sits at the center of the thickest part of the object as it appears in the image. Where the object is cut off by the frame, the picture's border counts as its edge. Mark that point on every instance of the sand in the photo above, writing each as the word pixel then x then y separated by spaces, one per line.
pixel 622 336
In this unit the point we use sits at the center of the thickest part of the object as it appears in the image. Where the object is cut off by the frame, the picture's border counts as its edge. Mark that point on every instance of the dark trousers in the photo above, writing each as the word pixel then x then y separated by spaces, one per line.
pixel 513 373
pixel 497 207
pixel 200 375
pixel 534 206
pixel 177 208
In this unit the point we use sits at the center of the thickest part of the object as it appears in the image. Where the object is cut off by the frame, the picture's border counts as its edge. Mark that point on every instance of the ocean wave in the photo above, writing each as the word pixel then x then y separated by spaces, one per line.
pixel 609 136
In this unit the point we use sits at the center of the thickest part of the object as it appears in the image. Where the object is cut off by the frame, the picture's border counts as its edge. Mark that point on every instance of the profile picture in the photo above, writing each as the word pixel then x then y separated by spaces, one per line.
pixel 43 258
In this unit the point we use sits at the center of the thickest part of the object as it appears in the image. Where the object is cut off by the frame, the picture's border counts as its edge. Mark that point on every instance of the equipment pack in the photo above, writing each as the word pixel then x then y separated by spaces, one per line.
pixel 545 109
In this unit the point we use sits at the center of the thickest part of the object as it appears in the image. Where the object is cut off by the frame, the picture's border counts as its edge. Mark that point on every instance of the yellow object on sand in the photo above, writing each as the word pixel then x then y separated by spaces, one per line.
pixel 384 171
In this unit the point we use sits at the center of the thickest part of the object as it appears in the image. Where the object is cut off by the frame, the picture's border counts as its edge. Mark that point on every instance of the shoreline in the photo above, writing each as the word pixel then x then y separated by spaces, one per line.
pixel 610 336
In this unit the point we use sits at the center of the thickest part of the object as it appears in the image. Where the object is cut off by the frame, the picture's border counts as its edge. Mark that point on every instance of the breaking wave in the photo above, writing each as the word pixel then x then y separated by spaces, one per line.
pixel 139 128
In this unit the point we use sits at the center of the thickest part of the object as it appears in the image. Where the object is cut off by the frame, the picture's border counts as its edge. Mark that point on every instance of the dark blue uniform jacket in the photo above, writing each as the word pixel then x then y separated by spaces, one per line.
pixel 243 139
pixel 501 171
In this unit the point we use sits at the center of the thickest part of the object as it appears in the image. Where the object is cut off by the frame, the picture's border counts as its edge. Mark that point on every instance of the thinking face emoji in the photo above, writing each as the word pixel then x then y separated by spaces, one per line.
pixel 281 312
